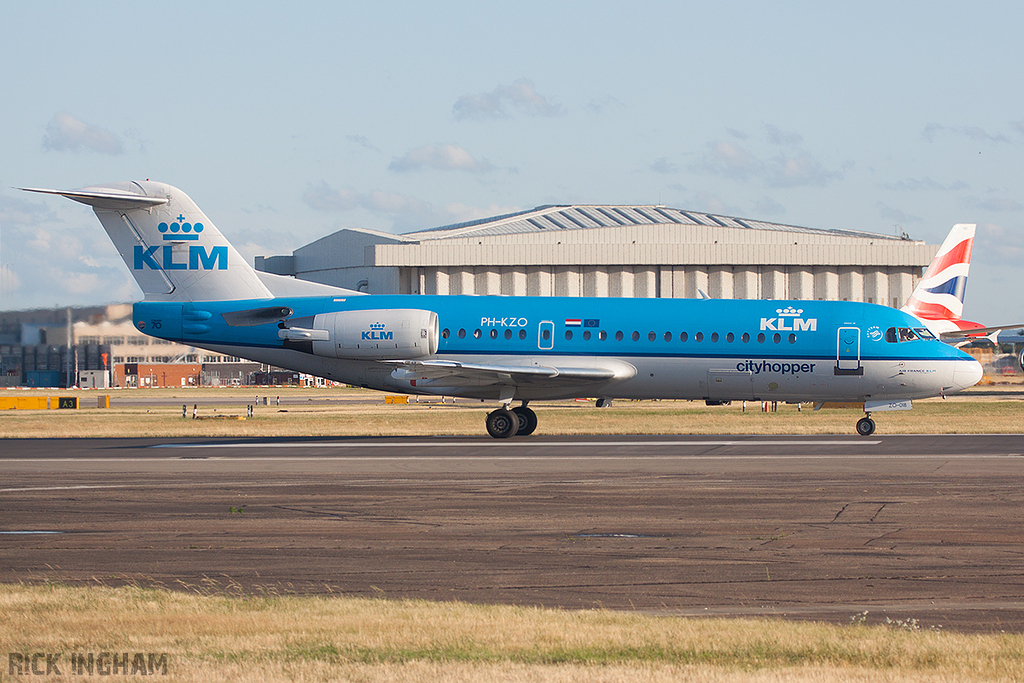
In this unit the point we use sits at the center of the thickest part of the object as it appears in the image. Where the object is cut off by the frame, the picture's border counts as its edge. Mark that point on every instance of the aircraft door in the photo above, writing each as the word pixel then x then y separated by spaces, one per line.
pixel 546 335
pixel 848 352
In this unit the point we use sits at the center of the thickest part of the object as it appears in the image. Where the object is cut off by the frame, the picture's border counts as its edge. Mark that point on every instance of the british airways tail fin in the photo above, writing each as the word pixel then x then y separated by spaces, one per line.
pixel 172 249
pixel 940 294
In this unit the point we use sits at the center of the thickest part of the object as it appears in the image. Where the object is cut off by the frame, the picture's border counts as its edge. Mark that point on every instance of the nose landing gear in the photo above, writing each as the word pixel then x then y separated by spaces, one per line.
pixel 866 426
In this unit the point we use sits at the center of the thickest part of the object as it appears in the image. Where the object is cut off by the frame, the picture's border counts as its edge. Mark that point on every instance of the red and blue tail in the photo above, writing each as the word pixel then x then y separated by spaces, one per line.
pixel 940 294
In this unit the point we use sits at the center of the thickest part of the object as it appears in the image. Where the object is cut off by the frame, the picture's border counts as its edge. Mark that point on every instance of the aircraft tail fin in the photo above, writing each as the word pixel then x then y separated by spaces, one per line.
pixel 940 293
pixel 171 248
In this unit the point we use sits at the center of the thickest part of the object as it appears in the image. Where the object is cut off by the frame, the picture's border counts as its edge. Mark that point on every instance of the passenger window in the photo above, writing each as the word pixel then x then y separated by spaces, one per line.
pixel 545 334
pixel 651 336
pixel 618 336
pixel 446 333
pixel 760 338
pixel 477 333
pixel 508 334
pixel 462 334
pixel 522 334
pixel 668 336
pixel 494 334
pixel 714 337
pixel 683 337
pixel 792 338
pixel 699 337
pixel 568 335
pixel 745 337
pixel 776 337
pixel 729 337
pixel 635 336
pixel 602 335
pixel 586 335
pixel 890 335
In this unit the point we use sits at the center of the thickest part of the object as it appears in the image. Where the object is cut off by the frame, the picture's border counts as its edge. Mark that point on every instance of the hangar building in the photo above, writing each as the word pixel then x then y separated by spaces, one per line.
pixel 619 251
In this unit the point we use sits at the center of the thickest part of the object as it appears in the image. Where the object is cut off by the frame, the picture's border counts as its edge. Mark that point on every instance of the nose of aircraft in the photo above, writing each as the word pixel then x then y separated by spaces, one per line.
pixel 966 374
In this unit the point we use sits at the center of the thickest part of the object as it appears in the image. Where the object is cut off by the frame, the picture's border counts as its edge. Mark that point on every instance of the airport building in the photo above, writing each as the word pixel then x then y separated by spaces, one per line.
pixel 616 251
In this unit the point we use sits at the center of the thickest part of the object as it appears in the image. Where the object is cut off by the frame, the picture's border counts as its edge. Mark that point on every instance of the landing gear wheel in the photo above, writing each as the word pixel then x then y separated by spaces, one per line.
pixel 527 420
pixel 865 426
pixel 502 423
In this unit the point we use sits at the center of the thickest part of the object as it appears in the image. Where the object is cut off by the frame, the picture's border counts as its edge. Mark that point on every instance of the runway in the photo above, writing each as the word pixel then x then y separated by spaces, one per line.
pixel 817 527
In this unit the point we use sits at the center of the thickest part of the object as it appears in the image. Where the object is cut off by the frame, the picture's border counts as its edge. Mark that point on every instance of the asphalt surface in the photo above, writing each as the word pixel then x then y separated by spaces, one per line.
pixel 817 527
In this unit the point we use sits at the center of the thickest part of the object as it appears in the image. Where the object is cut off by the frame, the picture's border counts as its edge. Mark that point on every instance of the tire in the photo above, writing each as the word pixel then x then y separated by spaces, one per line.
pixel 527 420
pixel 502 423
pixel 865 426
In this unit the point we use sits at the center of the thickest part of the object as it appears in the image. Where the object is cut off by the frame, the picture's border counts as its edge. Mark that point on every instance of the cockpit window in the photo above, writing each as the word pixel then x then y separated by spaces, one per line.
pixel 924 333
pixel 900 334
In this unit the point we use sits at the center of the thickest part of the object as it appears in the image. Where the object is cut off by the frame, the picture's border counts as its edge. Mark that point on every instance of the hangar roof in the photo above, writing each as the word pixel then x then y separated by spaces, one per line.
pixel 583 216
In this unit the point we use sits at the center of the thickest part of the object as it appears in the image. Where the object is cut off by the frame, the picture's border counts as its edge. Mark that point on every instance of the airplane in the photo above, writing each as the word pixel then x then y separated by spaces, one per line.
pixel 200 291
pixel 938 299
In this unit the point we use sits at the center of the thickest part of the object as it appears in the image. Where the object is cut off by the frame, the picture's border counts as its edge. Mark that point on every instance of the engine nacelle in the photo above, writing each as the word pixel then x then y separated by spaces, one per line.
pixel 383 334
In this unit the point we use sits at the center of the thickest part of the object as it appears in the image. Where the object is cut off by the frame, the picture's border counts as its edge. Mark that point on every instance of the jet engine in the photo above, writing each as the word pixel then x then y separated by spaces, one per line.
pixel 375 334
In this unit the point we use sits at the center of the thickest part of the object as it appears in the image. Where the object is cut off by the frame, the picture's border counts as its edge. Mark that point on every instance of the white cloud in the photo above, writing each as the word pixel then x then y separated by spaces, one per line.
pixel 766 206
pixel 599 105
pixel 323 197
pixel 933 131
pixel 440 158
pixel 998 244
pixel 9 282
pixel 896 215
pixel 460 213
pixel 521 96
pixel 409 213
pixel 729 160
pixel 926 183
pixel 663 165
pixel 737 162
pixel 994 204
pixel 801 170
pixel 14 210
pixel 65 133
pixel 776 136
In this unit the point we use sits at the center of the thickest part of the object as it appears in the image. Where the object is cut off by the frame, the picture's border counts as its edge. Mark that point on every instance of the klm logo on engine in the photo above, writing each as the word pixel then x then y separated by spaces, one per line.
pixel 377 333
pixel 163 258
pixel 788 320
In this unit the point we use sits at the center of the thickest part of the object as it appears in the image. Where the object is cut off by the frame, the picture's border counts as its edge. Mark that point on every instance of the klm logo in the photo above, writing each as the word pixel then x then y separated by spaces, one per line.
pixel 788 320
pixel 162 258
pixel 180 231
pixel 377 333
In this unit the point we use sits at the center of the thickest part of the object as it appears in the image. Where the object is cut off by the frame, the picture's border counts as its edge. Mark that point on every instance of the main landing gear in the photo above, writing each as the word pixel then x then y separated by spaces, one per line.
pixel 866 426
pixel 504 423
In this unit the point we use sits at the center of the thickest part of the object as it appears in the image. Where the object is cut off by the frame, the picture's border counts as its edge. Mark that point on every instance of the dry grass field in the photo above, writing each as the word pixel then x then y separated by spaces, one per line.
pixel 356 412
pixel 216 636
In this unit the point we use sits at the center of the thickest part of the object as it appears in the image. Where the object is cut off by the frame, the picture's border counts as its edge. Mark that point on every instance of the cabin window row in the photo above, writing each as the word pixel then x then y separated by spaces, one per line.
pixel 652 336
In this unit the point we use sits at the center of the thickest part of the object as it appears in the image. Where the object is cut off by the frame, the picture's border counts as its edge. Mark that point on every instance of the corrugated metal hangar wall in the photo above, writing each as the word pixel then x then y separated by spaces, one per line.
pixel 621 251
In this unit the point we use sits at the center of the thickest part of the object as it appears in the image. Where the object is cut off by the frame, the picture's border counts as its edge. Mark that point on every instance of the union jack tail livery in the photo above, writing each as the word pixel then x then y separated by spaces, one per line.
pixel 940 294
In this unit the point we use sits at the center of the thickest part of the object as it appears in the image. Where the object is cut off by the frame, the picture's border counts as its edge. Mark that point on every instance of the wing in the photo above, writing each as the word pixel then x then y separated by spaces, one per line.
pixel 977 331
pixel 458 374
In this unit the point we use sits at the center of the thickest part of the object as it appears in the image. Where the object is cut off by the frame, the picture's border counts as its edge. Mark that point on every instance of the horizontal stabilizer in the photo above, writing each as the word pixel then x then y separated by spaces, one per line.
pixel 105 199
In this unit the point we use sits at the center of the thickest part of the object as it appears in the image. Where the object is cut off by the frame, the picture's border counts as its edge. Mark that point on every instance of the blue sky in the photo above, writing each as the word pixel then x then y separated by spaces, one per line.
pixel 287 122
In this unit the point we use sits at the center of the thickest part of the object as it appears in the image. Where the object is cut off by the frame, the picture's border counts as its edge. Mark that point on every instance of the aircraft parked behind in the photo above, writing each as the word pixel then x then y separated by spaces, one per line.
pixel 938 299
pixel 199 291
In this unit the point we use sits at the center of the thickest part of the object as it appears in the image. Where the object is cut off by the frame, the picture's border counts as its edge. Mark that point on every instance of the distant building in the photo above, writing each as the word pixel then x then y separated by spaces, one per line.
pixel 617 251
